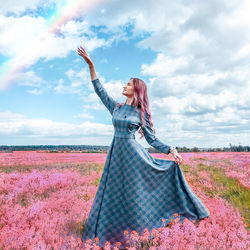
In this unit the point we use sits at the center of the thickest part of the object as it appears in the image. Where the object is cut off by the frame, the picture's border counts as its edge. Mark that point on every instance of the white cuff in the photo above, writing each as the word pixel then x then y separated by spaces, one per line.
pixel 172 149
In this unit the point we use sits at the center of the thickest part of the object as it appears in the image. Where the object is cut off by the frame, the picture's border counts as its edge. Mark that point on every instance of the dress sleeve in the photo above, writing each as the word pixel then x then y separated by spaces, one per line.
pixel 107 100
pixel 152 139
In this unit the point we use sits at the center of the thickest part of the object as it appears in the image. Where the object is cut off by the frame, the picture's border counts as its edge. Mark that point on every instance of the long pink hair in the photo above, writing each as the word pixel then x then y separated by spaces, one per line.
pixel 140 100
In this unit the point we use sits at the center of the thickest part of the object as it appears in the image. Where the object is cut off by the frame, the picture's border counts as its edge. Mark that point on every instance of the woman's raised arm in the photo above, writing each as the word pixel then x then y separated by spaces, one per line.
pixel 107 100
pixel 85 56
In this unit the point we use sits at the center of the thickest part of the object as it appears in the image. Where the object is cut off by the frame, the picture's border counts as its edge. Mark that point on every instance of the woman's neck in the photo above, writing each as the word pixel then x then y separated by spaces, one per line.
pixel 129 101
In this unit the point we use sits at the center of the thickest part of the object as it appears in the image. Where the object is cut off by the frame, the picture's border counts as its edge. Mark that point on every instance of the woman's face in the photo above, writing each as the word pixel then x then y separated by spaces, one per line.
pixel 128 90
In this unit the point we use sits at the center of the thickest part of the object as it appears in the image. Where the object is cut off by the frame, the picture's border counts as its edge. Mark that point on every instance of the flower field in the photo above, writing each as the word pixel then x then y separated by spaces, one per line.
pixel 45 199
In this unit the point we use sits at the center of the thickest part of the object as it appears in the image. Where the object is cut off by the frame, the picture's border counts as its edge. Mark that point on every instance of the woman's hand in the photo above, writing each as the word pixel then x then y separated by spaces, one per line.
pixel 83 53
pixel 177 157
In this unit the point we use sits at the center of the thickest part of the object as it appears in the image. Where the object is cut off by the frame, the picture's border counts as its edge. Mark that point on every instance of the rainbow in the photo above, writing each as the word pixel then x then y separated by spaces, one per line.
pixel 10 70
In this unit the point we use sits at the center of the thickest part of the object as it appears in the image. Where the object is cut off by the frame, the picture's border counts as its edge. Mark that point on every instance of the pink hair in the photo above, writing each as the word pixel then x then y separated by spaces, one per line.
pixel 140 100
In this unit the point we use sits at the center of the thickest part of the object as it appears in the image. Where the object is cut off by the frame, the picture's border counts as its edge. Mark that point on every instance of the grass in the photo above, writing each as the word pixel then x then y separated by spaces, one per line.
pixel 96 181
pixel 232 191
pixel 83 168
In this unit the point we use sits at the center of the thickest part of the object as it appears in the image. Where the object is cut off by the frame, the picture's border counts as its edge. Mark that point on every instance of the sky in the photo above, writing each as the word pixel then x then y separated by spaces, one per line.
pixel 193 55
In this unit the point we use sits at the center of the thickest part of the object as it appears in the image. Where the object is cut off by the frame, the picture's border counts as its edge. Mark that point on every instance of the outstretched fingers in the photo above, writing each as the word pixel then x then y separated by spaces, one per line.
pixel 178 159
pixel 81 49
pixel 81 53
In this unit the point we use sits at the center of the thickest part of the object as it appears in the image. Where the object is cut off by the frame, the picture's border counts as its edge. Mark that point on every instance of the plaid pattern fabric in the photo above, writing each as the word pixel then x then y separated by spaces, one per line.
pixel 136 190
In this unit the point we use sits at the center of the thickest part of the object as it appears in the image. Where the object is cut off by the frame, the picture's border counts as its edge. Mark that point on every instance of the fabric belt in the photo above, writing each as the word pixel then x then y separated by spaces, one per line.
pixel 124 135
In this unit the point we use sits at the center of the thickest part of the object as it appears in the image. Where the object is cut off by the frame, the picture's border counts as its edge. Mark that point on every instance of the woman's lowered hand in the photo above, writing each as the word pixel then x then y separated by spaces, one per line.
pixel 177 157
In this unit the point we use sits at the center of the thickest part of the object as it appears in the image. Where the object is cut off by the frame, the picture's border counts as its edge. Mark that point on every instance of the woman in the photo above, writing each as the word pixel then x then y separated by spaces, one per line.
pixel 136 190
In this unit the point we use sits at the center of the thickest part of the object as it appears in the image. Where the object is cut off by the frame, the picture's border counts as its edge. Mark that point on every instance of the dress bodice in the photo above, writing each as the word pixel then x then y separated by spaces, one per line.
pixel 126 121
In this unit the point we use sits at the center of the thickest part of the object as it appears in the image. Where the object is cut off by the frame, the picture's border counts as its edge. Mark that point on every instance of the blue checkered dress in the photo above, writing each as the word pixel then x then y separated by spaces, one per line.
pixel 136 190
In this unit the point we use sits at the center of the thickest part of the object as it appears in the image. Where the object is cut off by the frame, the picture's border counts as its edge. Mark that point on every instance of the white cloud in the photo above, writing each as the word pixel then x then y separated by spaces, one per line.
pixel 17 7
pixel 37 43
pixel 77 82
pixel 84 116
pixel 164 66
pixel 35 91
pixel 30 78
pixel 15 124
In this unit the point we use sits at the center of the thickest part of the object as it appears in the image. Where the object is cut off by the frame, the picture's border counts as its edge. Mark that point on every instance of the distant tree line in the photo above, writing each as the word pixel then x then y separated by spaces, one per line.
pixel 96 149
pixel 231 148
pixel 56 148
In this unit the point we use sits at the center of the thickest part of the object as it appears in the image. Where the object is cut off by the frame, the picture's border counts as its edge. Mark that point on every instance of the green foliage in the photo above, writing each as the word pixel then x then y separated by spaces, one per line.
pixel 82 226
pixel 18 168
pixel 97 181
pixel 86 169
pixel 236 194
pixel 185 168
pixel 83 168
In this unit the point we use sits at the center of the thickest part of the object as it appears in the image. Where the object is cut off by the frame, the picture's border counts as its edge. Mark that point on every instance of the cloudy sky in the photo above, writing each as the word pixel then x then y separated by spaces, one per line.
pixel 193 55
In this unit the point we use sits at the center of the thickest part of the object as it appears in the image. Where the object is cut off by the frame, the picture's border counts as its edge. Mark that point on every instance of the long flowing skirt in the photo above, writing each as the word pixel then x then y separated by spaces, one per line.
pixel 137 191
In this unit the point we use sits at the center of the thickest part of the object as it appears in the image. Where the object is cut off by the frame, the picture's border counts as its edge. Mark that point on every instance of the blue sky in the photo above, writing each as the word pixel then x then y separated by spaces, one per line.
pixel 193 56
